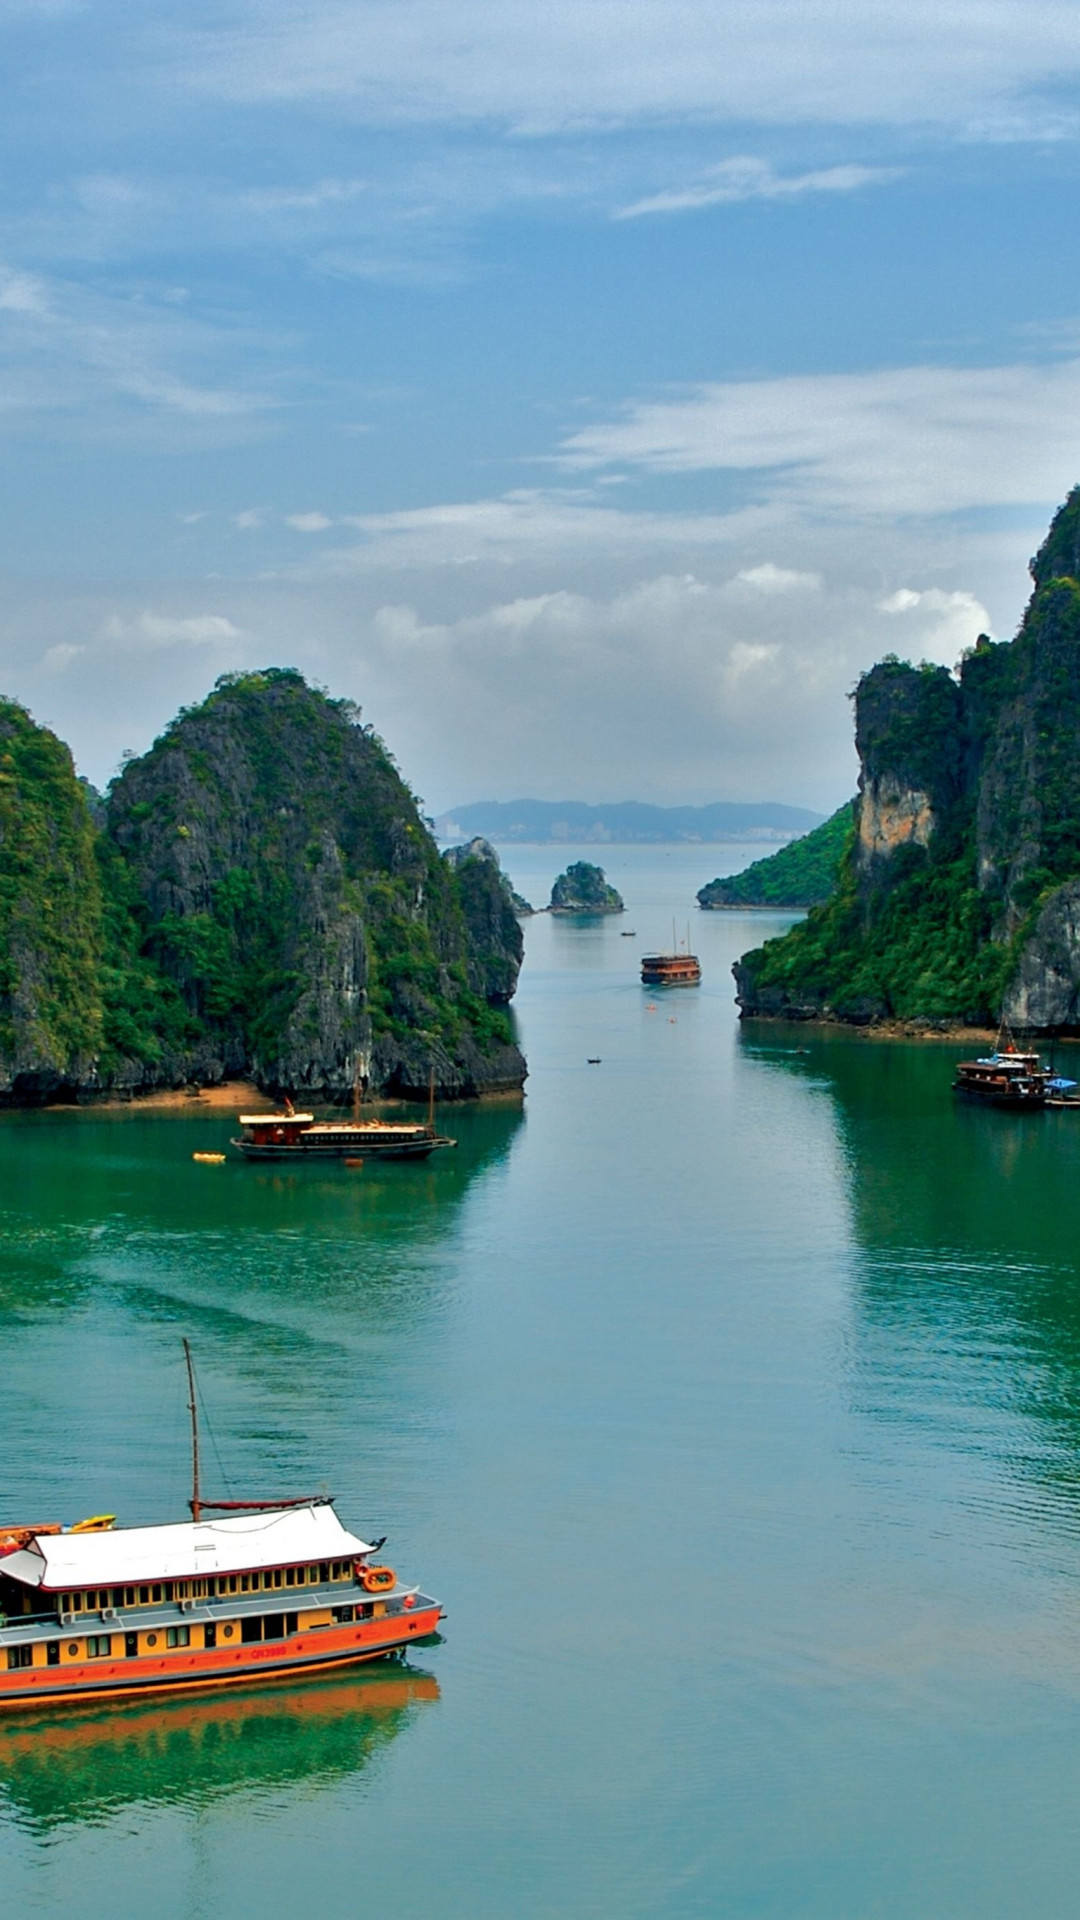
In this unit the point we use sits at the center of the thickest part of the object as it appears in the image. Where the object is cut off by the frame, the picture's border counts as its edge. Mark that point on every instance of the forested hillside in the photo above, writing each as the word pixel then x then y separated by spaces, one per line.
pixel 263 898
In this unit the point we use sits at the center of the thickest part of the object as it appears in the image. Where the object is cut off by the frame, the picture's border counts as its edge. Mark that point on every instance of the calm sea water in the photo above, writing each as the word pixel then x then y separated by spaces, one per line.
pixel 729 1397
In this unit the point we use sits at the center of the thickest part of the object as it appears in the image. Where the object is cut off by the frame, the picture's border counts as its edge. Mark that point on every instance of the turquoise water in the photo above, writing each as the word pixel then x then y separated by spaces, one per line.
pixel 727 1393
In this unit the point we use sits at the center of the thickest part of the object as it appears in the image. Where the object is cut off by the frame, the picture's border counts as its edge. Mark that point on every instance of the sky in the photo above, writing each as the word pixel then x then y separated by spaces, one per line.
pixel 591 390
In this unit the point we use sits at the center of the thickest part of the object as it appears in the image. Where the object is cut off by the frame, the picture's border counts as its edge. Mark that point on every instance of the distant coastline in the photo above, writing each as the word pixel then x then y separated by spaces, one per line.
pixel 624 823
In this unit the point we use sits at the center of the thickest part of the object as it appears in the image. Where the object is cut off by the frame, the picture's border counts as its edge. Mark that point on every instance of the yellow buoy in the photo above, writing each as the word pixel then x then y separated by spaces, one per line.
pixel 210 1159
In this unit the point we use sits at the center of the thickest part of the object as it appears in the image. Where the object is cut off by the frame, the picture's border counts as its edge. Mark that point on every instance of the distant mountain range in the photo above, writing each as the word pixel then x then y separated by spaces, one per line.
pixel 573 822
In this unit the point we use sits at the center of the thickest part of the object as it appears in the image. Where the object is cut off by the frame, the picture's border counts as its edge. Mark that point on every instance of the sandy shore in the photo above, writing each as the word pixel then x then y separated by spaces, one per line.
pixel 983 1038
pixel 232 1095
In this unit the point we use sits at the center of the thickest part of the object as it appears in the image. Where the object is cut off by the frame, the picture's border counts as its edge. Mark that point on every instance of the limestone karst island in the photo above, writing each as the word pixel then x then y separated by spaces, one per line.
pixel 258 896
pixel 957 894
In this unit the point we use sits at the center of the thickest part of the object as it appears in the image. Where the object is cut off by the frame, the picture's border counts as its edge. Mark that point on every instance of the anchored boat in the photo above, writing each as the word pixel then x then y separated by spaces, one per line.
pixel 1005 1079
pixel 262 1589
pixel 1010 1077
pixel 299 1136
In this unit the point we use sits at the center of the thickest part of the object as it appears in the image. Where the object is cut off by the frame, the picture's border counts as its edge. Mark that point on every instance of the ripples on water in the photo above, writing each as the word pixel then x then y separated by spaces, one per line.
pixel 729 1396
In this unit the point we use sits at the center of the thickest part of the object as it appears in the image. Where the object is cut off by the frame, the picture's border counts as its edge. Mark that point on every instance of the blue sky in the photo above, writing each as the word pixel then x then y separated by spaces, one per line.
pixel 592 391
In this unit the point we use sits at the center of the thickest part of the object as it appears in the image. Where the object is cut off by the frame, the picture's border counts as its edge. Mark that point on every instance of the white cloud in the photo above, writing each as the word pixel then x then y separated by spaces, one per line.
pixel 308 522
pixel 149 629
pixel 699 691
pixel 77 350
pixel 745 178
pixel 769 578
pixel 711 658
pixel 527 525
pixel 985 65
pixel 919 440
pixel 22 293
pixel 324 193
pixel 249 519
pixel 57 659
pixel 935 624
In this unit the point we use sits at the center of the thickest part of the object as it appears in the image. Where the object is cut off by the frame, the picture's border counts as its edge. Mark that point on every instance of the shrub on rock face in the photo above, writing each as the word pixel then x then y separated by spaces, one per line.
pixel 583 889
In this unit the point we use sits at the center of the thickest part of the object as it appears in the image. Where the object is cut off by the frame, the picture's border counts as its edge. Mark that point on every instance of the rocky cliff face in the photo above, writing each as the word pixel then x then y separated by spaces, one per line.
pixel 490 907
pixel 907 734
pixel 961 895
pixel 272 904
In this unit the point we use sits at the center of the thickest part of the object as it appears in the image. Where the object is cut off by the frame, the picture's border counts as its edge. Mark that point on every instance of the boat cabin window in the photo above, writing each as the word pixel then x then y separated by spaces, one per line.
pixel 20 1657
pixel 98 1646
pixel 178 1636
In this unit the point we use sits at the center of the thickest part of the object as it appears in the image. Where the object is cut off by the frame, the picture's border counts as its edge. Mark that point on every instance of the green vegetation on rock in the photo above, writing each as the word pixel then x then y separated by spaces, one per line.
pixel 264 898
pixel 957 895
pixel 802 874
pixel 583 889
pixel 51 911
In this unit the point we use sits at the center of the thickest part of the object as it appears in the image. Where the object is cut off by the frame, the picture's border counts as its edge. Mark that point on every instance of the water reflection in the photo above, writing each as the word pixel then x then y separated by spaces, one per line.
pixel 965 1327
pixel 315 1301
pixel 86 1192
pixel 86 1765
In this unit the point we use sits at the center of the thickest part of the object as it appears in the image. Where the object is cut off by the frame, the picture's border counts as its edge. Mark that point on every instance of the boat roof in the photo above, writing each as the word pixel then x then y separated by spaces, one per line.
pixel 185 1551
pixel 272 1119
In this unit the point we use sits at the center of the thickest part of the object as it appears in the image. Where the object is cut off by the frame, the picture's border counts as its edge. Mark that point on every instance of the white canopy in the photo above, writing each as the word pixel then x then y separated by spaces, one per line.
pixel 239 1543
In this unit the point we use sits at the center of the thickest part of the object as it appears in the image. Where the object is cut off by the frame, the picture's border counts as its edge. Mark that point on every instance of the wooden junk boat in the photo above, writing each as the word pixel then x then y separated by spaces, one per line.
pixel 1010 1077
pixel 680 968
pixel 271 1587
pixel 670 970
pixel 299 1136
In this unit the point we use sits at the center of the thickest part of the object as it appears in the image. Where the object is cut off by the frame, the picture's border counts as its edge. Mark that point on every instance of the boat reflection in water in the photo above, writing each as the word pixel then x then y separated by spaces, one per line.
pixel 88 1763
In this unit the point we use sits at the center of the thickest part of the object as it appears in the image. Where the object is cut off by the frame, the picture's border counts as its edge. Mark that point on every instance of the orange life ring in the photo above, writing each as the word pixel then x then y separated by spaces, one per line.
pixel 378 1579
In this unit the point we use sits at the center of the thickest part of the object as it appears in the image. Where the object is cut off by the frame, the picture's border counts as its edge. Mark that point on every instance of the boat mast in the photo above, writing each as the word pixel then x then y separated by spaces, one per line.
pixel 195 1502
pixel 431 1101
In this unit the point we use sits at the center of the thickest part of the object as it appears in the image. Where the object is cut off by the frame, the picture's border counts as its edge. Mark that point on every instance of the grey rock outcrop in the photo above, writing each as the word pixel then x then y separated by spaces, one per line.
pixel 1045 990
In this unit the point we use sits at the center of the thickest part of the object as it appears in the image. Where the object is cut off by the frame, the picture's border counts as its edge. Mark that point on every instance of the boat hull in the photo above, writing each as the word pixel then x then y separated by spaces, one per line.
pixel 362 1149
pixel 990 1097
pixel 308 1651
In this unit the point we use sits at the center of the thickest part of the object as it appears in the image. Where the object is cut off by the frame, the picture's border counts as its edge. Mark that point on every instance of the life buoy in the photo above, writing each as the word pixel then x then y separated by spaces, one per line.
pixel 378 1579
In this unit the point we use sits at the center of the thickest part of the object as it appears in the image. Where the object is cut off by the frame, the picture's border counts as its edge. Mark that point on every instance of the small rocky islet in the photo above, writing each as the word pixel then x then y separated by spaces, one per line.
pixel 583 888
pixel 957 892
pixel 258 896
